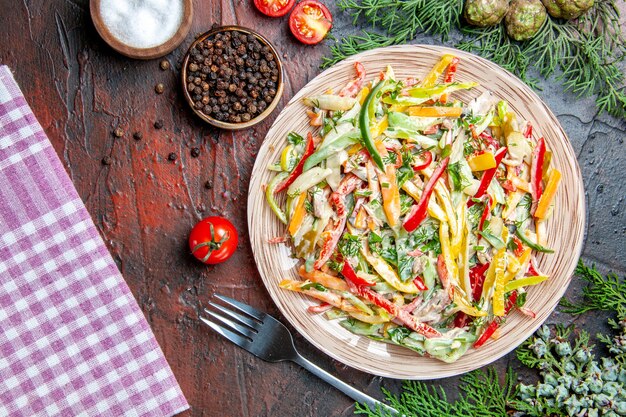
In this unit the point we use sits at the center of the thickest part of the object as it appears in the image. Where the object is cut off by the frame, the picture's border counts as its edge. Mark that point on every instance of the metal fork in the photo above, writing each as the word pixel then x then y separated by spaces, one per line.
pixel 268 339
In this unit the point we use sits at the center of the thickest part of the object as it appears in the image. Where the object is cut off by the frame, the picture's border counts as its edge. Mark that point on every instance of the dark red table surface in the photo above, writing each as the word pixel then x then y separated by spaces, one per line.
pixel 145 205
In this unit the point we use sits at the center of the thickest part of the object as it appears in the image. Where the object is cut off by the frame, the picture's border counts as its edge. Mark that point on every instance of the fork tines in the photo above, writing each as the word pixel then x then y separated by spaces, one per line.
pixel 239 324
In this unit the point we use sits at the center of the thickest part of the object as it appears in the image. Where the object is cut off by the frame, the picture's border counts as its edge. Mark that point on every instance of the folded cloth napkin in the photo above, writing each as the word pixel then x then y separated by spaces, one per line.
pixel 73 341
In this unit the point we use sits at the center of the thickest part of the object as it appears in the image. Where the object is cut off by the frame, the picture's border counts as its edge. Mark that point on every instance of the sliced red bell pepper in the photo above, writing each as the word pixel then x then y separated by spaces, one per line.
pixel 319 308
pixel 432 130
pixel 529 130
pixel 508 185
pixel 488 175
pixel 451 71
pixel 418 212
pixel 489 140
pixel 536 172
pixel 519 246
pixel 489 331
pixel 348 272
pixel 428 158
pixel 532 270
pixel 485 214
pixel 353 87
pixel 419 283
pixel 297 171
pixel 375 298
pixel 493 326
pixel 461 319
pixel 477 280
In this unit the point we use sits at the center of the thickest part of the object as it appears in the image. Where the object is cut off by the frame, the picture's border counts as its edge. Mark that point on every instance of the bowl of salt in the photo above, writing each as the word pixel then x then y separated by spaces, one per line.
pixel 142 29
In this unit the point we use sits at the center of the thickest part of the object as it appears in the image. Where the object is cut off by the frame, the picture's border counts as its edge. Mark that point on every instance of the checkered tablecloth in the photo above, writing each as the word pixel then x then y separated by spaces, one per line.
pixel 73 341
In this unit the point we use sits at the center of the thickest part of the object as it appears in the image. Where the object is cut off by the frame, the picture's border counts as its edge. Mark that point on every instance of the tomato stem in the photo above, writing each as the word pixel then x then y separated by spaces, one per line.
pixel 212 244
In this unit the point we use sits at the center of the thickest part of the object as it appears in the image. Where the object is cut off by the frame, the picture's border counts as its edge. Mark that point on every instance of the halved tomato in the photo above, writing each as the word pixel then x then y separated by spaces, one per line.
pixel 274 8
pixel 310 22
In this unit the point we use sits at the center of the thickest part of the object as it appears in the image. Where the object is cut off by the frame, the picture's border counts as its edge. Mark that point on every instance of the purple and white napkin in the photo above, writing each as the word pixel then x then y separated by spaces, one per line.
pixel 73 341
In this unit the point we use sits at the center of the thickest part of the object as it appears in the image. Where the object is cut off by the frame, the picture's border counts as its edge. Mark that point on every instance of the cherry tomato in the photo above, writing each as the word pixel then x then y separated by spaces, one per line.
pixel 310 22
pixel 274 8
pixel 213 240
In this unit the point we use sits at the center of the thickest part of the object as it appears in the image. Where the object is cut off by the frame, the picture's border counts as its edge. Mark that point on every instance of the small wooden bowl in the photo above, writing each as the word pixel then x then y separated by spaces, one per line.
pixel 279 84
pixel 142 53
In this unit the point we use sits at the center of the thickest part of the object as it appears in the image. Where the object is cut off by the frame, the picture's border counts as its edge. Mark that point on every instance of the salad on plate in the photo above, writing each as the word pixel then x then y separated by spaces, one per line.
pixel 417 216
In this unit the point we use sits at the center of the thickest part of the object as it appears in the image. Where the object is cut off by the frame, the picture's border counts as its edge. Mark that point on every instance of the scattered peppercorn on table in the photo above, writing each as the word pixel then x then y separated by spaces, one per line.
pixel 147 169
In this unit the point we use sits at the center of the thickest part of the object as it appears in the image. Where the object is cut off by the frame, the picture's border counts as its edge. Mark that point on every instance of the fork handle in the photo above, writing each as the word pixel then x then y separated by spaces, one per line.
pixel 350 391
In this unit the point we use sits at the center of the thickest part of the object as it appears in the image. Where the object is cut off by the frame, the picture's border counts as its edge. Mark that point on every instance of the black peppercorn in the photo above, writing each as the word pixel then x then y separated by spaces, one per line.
pixel 158 124
pixel 208 185
pixel 172 156
pixel 107 160
pixel 137 135
pixel 195 152
pixel 227 69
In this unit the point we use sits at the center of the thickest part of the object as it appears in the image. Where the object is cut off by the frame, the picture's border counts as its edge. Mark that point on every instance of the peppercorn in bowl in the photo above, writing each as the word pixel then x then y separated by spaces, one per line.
pixel 232 77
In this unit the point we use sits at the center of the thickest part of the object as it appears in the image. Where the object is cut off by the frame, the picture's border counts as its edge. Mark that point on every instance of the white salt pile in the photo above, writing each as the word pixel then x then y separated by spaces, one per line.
pixel 142 23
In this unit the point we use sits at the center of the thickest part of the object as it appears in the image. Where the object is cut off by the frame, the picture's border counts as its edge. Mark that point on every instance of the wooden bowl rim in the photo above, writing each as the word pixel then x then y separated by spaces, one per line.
pixel 142 53
pixel 279 85
pixel 274 264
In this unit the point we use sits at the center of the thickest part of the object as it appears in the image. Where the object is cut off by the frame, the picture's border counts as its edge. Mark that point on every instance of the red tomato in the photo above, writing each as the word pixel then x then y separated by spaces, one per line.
pixel 213 240
pixel 274 8
pixel 310 22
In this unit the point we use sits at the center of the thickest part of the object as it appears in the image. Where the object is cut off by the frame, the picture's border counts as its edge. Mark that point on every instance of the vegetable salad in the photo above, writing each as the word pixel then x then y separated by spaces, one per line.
pixel 417 216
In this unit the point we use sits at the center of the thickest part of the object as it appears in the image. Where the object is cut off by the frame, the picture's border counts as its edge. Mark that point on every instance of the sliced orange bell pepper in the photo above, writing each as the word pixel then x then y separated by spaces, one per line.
pixel 389 189
pixel 298 215
pixel 548 194
pixel 323 278
pixel 435 111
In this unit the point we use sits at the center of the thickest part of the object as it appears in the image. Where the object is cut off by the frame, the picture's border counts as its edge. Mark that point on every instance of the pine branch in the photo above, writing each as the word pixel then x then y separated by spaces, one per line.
pixel 482 396
pixel 602 293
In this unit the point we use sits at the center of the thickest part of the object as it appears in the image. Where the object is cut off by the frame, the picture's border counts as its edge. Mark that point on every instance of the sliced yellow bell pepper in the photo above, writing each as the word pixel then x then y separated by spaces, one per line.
pixel 298 214
pixel 380 127
pixel 329 297
pixel 435 111
pixel 548 194
pixel 541 231
pixel 482 162
pixel 431 79
pixel 498 291
pixel 381 317
pixel 285 157
pixel 466 307
pixel 401 108
pixel 512 201
pixel 446 251
pixel 360 97
pixel 388 273
pixel 490 278
pixel 525 282
pixel 360 219
pixel 354 148
pixel 517 264
pixel 444 198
